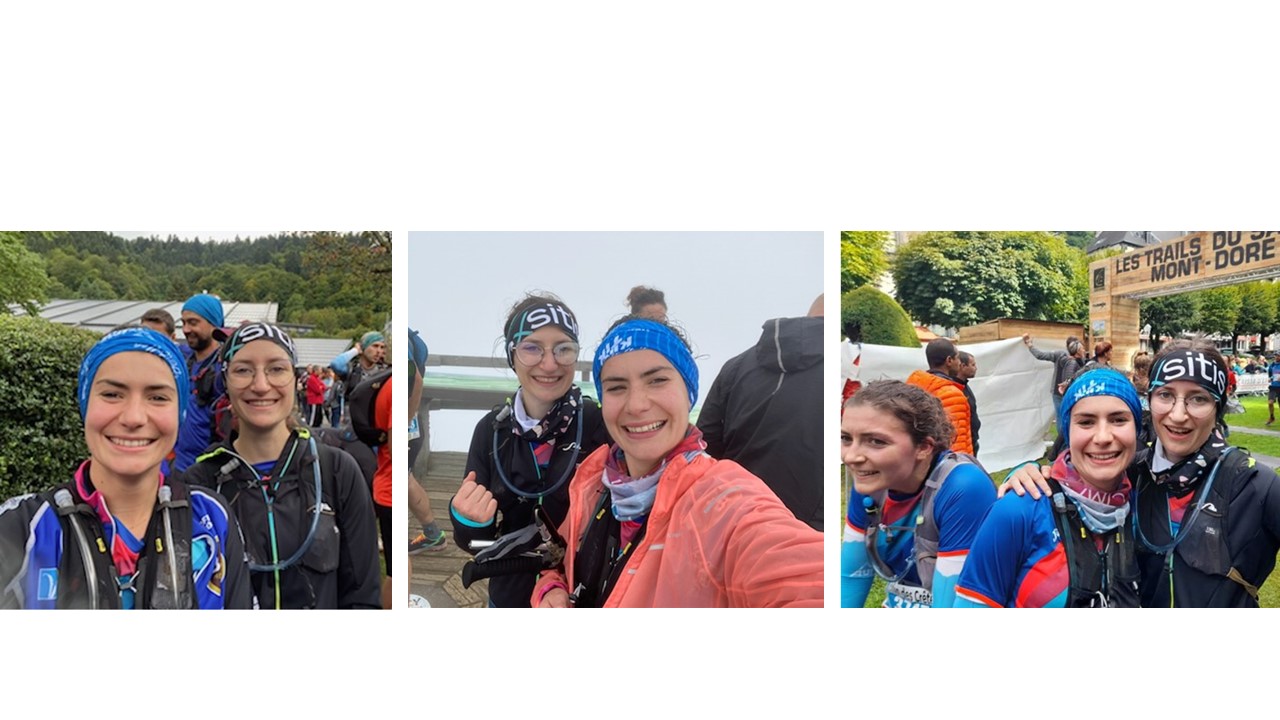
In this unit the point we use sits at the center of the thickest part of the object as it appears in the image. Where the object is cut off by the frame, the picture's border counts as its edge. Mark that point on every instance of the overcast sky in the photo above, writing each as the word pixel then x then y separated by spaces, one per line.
pixel 205 235
pixel 720 287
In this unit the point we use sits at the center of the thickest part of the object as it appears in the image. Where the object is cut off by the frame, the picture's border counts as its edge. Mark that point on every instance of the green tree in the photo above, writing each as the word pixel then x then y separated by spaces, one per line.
pixel 42 437
pixel 1078 239
pixel 25 281
pixel 868 315
pixel 1217 311
pixel 1168 315
pixel 1257 311
pixel 962 278
pixel 862 258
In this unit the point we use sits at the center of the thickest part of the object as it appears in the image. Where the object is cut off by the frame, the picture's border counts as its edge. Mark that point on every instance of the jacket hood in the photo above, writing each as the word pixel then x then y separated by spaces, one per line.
pixel 790 344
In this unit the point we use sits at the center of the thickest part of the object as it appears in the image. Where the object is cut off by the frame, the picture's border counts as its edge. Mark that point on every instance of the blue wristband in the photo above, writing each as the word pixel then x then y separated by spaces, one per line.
pixel 465 521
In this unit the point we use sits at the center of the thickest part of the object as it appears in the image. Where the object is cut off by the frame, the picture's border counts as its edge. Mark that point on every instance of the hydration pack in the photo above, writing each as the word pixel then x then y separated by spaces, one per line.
pixel 362 405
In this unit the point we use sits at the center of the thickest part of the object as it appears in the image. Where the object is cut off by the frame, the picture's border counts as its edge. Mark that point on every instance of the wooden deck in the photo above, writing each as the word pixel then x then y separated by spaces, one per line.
pixel 435 575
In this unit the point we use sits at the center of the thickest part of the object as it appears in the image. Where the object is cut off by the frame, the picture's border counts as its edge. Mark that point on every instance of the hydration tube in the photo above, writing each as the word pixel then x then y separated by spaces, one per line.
pixel 62 498
pixel 315 516
pixel 165 496
pixel 873 552
pixel 564 476
pixel 1185 526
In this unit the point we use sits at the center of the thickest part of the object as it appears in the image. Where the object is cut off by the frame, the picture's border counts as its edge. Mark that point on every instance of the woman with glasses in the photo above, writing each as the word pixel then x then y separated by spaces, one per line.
pixel 524 451
pixel 1206 515
pixel 915 506
pixel 304 507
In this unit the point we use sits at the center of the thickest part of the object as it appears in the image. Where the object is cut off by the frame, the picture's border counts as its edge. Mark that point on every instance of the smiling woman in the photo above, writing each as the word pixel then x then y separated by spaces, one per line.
pixel 304 507
pixel 133 392
pixel 654 520
pixel 524 451
pixel 915 506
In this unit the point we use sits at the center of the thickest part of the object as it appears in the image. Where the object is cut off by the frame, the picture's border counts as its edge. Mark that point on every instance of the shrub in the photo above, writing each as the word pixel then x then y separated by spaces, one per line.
pixel 42 437
pixel 868 315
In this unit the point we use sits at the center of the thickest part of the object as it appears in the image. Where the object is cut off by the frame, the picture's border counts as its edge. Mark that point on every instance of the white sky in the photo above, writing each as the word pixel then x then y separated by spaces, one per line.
pixel 204 235
pixel 720 287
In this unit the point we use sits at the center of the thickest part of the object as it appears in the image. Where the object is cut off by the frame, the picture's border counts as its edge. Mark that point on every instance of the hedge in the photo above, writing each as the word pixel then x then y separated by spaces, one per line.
pixel 877 318
pixel 41 436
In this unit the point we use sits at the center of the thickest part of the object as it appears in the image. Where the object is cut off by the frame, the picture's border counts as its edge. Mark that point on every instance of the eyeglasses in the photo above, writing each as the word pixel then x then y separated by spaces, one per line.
pixel 241 376
pixel 1197 405
pixel 530 353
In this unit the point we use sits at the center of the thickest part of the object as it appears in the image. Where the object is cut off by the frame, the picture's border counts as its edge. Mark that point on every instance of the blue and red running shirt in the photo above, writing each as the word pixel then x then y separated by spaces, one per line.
pixel 959 507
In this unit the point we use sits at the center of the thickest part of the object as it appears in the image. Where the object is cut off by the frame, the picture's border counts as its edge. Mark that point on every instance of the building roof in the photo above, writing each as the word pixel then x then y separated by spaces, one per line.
pixel 1132 238
pixel 103 315
pixel 319 351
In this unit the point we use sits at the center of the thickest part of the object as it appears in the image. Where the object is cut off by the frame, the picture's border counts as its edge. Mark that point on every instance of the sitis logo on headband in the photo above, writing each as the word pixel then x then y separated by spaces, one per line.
pixel 1196 367
pixel 550 315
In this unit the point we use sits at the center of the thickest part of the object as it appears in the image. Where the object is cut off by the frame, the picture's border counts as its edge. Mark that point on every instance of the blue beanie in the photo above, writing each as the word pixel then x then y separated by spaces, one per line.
pixel 133 340
pixel 648 335
pixel 1103 381
pixel 418 351
pixel 207 307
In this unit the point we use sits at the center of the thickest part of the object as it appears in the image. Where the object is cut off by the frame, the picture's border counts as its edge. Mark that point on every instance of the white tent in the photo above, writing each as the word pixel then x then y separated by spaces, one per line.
pixel 1012 389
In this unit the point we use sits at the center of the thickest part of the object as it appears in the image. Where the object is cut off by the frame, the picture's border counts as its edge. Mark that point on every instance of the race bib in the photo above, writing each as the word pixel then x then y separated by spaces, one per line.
pixel 899 595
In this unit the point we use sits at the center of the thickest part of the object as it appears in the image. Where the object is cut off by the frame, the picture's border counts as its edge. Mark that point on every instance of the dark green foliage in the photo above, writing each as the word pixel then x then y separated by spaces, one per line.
pixel 862 257
pixel 338 282
pixel 1169 315
pixel 960 278
pixel 42 436
pixel 868 315
pixel 25 282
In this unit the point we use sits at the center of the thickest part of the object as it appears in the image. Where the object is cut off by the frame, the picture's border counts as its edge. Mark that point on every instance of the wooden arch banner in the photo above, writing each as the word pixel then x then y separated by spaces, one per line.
pixel 1191 262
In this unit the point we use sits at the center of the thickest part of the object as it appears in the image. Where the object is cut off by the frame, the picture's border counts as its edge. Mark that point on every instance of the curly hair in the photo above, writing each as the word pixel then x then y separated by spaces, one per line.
pixel 918 411
pixel 641 295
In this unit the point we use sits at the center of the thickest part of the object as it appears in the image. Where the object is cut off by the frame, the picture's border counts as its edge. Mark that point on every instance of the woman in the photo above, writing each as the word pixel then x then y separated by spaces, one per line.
pixel 304 507
pixel 315 396
pixel 915 505
pixel 524 451
pixel 1076 550
pixel 1206 515
pixel 120 534
pixel 647 302
pixel 656 522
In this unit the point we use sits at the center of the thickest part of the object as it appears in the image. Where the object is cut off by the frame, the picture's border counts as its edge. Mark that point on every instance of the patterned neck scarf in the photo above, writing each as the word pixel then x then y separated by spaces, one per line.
pixel 633 497
pixel 1100 510
pixel 555 423
pixel 1184 476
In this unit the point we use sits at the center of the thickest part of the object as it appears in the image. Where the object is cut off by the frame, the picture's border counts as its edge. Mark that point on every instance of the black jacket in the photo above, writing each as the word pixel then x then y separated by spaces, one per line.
pixel 515 512
pixel 1238 528
pixel 764 411
pixel 340 568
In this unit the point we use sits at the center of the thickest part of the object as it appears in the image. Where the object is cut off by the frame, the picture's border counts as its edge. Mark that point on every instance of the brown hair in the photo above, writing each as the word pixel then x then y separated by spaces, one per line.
pixel 918 411
pixel 641 296
pixel 1101 349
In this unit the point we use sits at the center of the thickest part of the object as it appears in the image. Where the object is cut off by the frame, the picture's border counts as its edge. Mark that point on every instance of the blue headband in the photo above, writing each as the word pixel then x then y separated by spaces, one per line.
pixel 1103 381
pixel 369 338
pixel 648 335
pixel 207 307
pixel 133 340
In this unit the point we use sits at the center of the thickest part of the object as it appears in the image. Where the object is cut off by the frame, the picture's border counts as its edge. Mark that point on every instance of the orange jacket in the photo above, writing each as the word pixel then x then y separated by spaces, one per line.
pixel 953 401
pixel 716 537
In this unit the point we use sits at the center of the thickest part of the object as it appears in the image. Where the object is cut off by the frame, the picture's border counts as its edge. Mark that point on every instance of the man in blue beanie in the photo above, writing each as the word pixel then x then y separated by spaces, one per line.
pixel 202 321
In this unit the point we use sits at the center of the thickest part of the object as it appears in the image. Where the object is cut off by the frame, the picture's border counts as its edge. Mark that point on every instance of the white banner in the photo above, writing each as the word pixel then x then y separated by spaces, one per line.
pixel 1013 389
